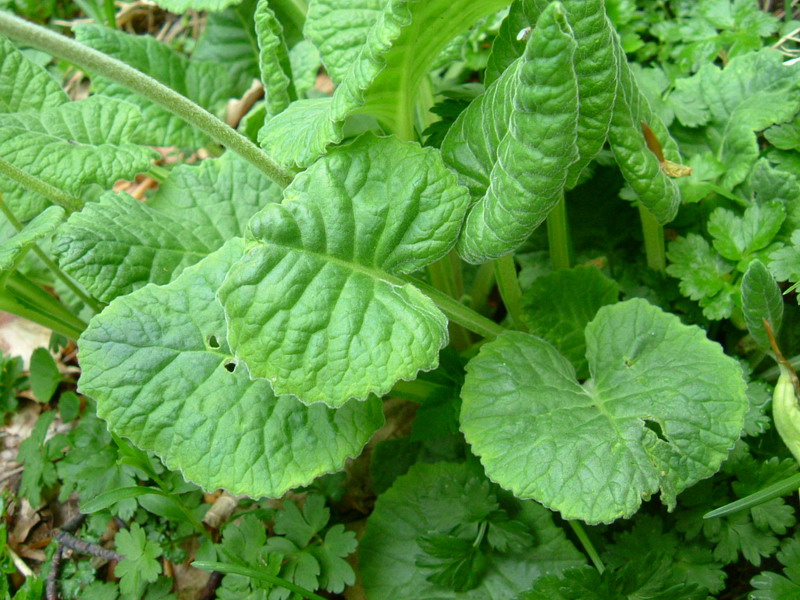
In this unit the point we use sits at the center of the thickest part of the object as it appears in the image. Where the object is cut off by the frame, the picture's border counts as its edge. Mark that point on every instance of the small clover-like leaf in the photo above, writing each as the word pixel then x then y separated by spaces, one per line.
pixel 662 409
pixel 140 565
pixel 318 305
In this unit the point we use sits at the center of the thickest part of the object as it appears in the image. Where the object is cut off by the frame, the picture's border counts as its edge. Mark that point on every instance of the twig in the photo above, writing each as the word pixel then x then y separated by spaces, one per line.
pixel 70 541
pixel 74 523
pixel 51 591
pixel 210 590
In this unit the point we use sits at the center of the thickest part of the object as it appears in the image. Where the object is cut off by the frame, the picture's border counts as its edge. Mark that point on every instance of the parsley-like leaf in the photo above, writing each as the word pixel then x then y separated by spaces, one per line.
pixel 140 565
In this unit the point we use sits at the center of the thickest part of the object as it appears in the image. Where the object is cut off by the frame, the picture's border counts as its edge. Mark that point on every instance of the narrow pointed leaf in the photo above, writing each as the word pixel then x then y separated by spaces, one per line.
pixel 317 305
pixel 96 140
pixel 24 86
pixel 42 226
pixel 119 244
pixel 761 299
pixel 159 366
pixel 639 165
pixel 516 143
pixel 661 410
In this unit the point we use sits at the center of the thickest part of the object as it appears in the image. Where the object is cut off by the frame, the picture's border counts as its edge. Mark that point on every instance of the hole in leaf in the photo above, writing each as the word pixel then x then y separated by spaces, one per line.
pixel 213 342
pixel 230 366
pixel 655 427
pixel 628 363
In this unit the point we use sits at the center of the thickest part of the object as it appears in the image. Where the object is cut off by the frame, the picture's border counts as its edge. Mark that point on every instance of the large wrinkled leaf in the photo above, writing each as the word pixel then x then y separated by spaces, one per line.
pixel 119 244
pixel 71 146
pixel 558 306
pixel 761 299
pixel 24 86
pixel 158 365
pixel 317 305
pixel 42 226
pixel 383 79
pixel 751 93
pixel 507 47
pixel 206 83
pixel 273 60
pixel 229 38
pixel 661 410
pixel 639 165
pixel 514 145
pixel 431 499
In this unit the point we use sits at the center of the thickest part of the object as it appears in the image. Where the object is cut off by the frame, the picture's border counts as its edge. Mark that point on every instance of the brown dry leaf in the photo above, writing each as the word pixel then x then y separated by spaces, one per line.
pixel 20 337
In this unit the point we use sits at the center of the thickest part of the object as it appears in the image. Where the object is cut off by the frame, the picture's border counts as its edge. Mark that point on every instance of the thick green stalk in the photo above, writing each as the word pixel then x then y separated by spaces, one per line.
pixel 653 240
pixel 111 13
pixel 96 62
pixel 88 300
pixel 53 194
pixel 18 307
pixel 482 285
pixel 505 272
pixel 577 527
pixel 457 312
pixel 443 278
pixel 24 298
pixel 558 236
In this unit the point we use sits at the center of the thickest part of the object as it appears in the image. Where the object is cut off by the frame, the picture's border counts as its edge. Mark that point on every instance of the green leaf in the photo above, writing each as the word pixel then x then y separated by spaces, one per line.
pixel 771 586
pixel 704 275
pixel 157 362
pixel 384 78
pixel 785 262
pixel 456 563
pixel 751 93
pixel 761 299
pixel 229 38
pixel 273 60
pixel 785 136
pixel 558 306
pixel 317 305
pixel 140 565
pixel 45 375
pixel 206 83
pixel 41 227
pixel 506 47
pixel 119 244
pixel 513 146
pixel 336 573
pixel 640 167
pixel 661 411
pixel 429 500
pixel 39 471
pixel 71 146
pixel 737 238
pixel 179 6
pixel 25 86
pixel 301 527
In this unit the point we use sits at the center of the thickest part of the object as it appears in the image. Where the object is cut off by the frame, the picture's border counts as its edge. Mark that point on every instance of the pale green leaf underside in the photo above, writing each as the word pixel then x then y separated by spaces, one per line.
pixel 206 83
pixel 640 167
pixel 382 79
pixel 558 306
pixel 72 146
pixel 516 143
pixel 404 513
pixel 119 244
pixel 179 6
pixel 761 299
pixel 592 452
pixel 317 305
pixel 150 361
pixel 42 226
pixel 24 86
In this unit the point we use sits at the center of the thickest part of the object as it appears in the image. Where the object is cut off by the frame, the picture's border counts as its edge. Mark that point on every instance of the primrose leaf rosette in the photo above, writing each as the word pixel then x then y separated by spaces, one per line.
pixel 158 365
pixel 660 411
pixel 319 304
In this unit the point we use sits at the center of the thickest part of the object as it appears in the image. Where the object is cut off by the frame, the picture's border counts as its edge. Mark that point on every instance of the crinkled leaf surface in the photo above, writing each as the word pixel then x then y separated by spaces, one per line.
pixel 119 244
pixel 273 60
pixel 761 299
pixel 42 226
pixel 516 142
pixel 558 306
pixel 206 83
pixel 155 361
pixel 72 145
pixel 394 59
pixel 662 409
pixel 432 499
pixel 506 47
pixel 317 304
pixel 751 93
pixel 736 238
pixel 24 86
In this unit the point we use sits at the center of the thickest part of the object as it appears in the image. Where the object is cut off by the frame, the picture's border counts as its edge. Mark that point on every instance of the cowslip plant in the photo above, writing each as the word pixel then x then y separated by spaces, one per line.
pixel 251 313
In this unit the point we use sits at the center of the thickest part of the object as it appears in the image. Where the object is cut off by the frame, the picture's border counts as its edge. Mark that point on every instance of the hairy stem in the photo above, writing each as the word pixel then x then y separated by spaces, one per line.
pixel 443 278
pixel 653 240
pixel 52 193
pixel 505 272
pixel 457 312
pixel 96 62
pixel 558 236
